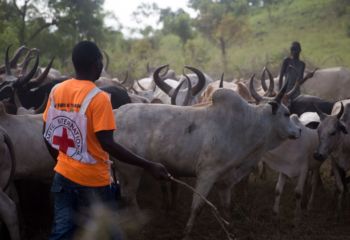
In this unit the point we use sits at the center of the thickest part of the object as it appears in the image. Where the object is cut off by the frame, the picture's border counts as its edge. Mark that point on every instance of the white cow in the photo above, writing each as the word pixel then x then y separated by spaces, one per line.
pixel 7 167
pixel 167 91
pixel 294 159
pixel 33 160
pixel 218 143
pixel 331 84
pixel 334 142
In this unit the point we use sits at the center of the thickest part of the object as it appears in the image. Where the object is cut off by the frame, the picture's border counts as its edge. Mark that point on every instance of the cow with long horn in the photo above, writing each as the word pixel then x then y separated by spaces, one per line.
pixel 333 142
pixel 166 91
pixel 10 81
pixel 16 56
pixel 218 143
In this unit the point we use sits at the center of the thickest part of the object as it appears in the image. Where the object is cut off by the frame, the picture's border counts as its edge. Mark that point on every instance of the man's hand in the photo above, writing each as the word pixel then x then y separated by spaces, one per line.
pixel 310 74
pixel 158 171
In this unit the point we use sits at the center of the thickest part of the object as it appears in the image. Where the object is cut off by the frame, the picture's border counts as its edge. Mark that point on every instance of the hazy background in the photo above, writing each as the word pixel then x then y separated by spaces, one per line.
pixel 237 37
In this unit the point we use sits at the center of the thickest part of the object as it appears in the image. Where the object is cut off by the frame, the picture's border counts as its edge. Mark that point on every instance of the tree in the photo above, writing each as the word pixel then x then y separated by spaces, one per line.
pixel 30 13
pixel 222 21
pixel 178 23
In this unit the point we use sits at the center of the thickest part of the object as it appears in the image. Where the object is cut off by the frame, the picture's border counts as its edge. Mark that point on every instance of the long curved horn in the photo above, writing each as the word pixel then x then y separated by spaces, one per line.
pixel 201 80
pixel 131 88
pixel 41 79
pixel 270 90
pixel 42 107
pixel 25 79
pixel 188 94
pixel 7 62
pixel 262 79
pixel 140 86
pixel 321 114
pixel 27 57
pixel 340 113
pixel 17 55
pixel 25 64
pixel 126 78
pixel 159 82
pixel 295 88
pixel 221 84
pixel 281 93
pixel 253 92
pixel 14 60
pixel 163 75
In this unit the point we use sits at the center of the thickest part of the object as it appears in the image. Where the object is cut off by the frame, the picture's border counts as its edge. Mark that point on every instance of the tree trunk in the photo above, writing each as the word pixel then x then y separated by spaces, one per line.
pixel 22 30
pixel 223 53
pixel 270 13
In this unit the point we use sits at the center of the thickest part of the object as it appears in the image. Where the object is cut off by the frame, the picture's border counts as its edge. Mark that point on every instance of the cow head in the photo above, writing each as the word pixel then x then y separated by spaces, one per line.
pixel 10 82
pixel 329 133
pixel 284 127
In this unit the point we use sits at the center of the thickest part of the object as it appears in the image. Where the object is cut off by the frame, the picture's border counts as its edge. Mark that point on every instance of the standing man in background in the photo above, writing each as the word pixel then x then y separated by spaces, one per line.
pixel 292 69
pixel 78 130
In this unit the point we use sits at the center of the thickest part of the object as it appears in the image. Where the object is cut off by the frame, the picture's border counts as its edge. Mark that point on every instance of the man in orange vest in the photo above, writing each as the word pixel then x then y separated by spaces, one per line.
pixel 78 130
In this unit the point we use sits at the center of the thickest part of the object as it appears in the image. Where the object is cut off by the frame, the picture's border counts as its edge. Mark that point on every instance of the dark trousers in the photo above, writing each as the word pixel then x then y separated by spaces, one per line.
pixel 72 202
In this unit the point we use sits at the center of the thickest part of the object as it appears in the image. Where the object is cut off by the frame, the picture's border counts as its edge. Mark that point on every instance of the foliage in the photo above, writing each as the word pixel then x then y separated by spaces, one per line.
pixel 178 23
pixel 235 36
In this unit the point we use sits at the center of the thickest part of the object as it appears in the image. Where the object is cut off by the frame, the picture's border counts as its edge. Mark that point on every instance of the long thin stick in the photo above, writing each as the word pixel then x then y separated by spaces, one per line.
pixel 215 211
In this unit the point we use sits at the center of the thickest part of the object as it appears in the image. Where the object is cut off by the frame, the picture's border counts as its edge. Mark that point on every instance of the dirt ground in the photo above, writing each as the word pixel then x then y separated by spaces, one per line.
pixel 251 215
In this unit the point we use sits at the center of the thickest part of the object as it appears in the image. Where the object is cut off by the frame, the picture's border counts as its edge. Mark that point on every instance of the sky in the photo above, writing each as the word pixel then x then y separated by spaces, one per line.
pixel 123 11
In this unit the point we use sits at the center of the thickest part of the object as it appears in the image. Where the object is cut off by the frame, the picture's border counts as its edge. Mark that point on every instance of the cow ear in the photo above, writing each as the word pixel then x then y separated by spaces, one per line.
pixel 342 127
pixel 275 106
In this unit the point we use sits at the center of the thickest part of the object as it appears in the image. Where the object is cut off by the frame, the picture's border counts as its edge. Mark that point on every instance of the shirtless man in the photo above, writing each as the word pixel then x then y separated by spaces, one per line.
pixel 292 69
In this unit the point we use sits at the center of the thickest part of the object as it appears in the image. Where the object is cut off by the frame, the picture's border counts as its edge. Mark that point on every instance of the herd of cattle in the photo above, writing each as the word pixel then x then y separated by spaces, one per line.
pixel 215 131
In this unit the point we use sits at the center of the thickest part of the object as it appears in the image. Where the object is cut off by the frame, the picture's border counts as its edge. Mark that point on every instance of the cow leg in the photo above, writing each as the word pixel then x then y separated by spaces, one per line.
pixel 169 198
pixel 314 186
pixel 165 195
pixel 299 191
pixel 340 187
pixel 278 192
pixel 174 192
pixel 8 213
pixel 224 192
pixel 129 183
pixel 204 184
pixel 262 170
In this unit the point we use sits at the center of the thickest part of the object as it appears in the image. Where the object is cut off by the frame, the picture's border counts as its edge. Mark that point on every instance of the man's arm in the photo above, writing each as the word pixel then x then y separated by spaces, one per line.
pixel 283 72
pixel 53 152
pixel 122 154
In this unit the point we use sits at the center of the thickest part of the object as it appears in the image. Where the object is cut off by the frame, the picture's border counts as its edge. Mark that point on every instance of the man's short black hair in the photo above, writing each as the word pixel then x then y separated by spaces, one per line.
pixel 85 53
pixel 295 46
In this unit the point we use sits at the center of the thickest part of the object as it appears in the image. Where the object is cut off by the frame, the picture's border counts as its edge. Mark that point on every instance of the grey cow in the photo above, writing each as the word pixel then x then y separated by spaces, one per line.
pixel 334 142
pixel 294 159
pixel 218 143
pixel 33 160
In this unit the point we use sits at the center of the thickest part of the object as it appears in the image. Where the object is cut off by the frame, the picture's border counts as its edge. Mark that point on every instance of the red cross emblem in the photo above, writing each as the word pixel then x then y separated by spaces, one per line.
pixel 64 142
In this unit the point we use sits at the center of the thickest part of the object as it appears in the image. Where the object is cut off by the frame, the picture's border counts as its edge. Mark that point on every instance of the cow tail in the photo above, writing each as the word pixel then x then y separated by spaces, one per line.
pixel 13 159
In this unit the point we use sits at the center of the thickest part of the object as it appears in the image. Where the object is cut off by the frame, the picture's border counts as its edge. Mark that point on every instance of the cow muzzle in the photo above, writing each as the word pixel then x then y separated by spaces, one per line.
pixel 295 134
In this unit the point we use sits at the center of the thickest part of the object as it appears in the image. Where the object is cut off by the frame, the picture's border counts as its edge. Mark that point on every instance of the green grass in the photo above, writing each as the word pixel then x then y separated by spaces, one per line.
pixel 313 22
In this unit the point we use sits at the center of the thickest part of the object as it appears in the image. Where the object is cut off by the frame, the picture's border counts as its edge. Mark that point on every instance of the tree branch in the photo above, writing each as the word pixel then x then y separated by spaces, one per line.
pixel 40 29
